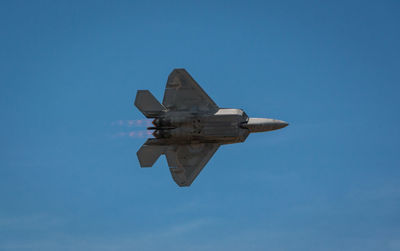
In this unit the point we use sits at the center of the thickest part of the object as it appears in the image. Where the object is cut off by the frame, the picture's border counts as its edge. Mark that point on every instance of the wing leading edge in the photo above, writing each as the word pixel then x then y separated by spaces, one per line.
pixel 182 93
pixel 187 161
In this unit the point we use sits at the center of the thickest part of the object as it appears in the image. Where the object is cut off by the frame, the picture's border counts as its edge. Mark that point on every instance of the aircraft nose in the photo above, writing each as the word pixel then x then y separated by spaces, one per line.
pixel 263 125
pixel 281 124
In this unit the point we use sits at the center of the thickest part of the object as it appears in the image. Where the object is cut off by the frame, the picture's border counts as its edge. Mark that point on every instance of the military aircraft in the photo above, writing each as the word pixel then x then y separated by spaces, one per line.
pixel 189 127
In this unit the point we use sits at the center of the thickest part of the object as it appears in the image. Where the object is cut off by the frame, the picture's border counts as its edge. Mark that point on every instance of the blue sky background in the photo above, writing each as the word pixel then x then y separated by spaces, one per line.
pixel 69 180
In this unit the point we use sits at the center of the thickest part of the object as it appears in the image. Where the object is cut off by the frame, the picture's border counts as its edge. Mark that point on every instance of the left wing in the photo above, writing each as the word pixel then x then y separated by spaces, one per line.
pixel 183 93
pixel 187 161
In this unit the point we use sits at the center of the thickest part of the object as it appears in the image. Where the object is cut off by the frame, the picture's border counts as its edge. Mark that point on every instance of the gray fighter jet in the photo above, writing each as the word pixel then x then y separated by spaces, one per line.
pixel 189 127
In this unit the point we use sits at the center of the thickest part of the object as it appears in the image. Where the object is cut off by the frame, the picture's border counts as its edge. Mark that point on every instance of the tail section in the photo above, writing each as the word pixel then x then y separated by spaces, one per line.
pixel 148 104
pixel 148 154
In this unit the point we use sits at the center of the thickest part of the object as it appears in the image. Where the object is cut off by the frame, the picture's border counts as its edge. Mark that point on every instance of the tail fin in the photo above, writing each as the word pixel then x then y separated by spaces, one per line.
pixel 148 104
pixel 148 154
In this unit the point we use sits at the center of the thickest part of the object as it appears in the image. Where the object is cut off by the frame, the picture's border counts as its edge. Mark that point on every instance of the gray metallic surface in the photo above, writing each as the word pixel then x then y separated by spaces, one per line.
pixel 186 161
pixel 189 127
pixel 182 93
pixel 148 104
pixel 264 125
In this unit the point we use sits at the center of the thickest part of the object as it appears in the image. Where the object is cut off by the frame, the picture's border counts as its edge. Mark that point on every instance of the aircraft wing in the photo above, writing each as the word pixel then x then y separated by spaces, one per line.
pixel 187 161
pixel 182 93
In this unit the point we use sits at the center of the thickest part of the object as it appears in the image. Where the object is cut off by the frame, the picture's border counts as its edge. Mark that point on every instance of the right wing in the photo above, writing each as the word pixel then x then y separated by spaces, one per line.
pixel 182 93
pixel 187 161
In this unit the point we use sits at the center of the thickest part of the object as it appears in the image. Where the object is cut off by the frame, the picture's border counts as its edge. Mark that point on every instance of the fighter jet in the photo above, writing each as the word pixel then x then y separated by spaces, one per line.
pixel 189 127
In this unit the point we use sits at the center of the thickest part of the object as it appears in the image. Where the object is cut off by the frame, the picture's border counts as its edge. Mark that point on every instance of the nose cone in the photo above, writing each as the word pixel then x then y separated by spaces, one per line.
pixel 281 124
pixel 263 125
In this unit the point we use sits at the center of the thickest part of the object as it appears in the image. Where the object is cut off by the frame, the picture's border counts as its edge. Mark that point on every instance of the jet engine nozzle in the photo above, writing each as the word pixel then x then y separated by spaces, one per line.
pixel 161 122
pixel 158 134
pixel 263 125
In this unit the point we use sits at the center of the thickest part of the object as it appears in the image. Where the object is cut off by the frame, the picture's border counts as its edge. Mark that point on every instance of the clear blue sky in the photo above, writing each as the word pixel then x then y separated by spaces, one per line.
pixel 69 180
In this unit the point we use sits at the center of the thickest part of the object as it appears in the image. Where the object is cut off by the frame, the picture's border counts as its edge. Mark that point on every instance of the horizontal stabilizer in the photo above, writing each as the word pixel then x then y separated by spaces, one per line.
pixel 148 104
pixel 148 154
